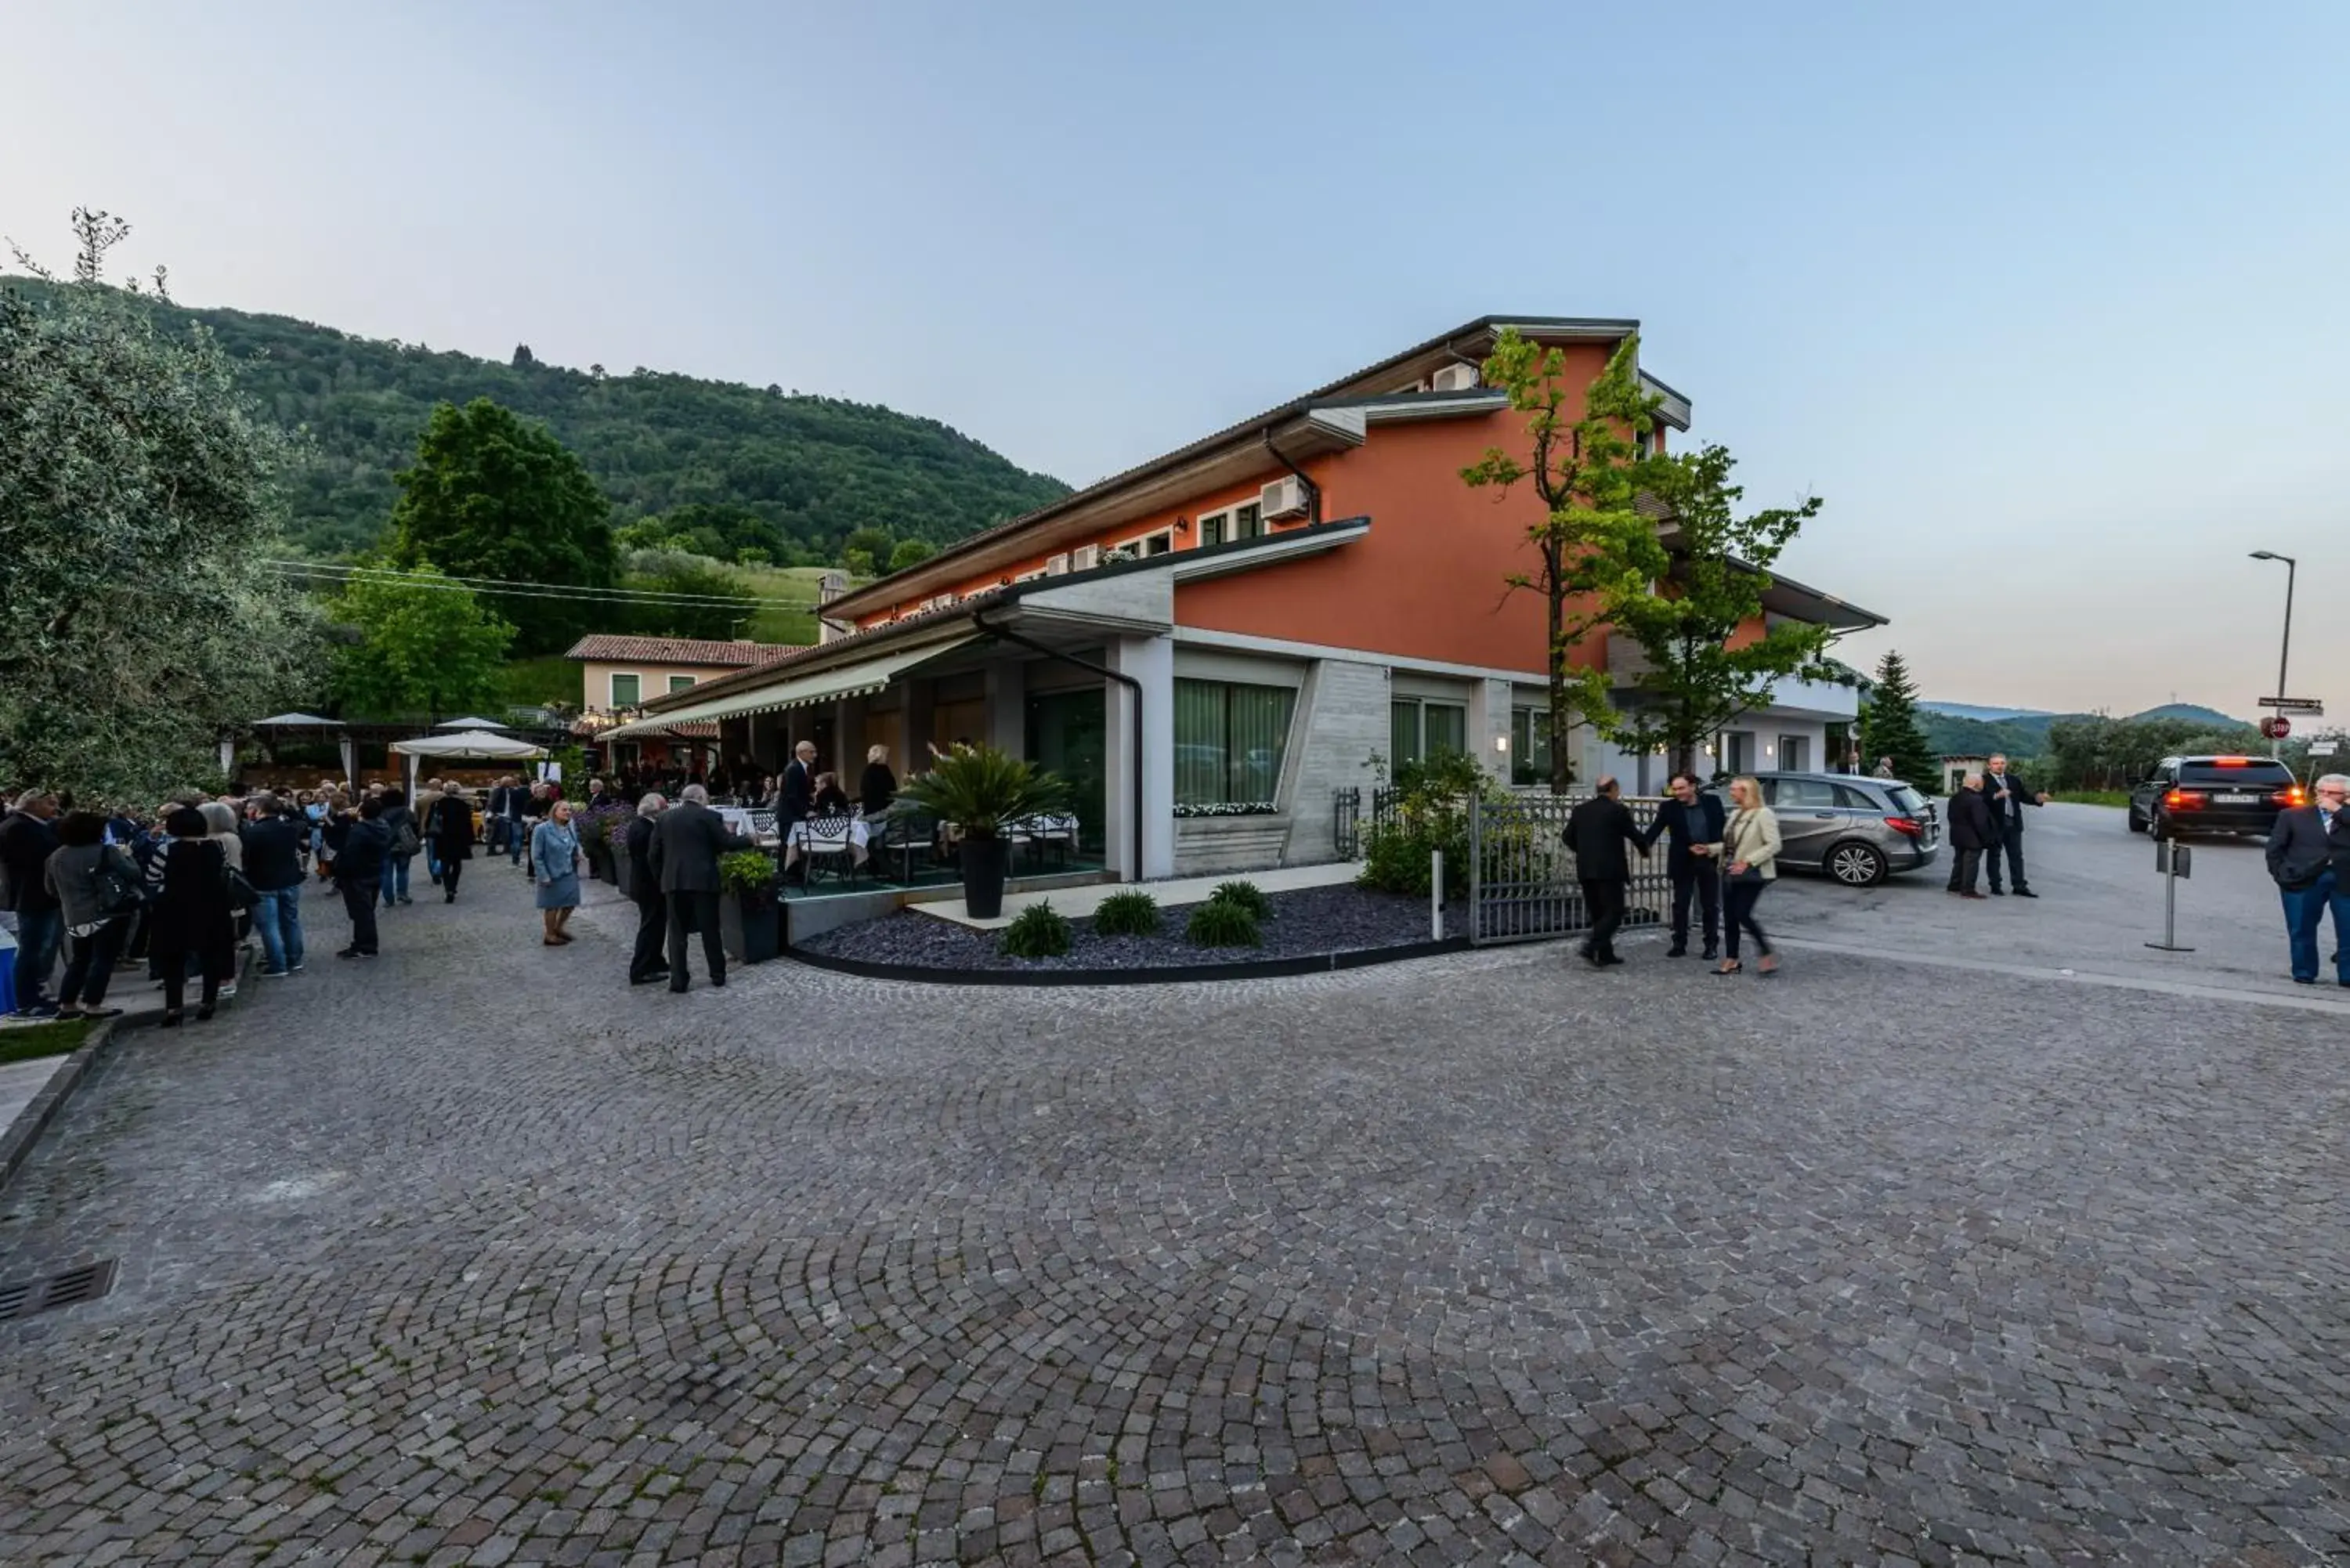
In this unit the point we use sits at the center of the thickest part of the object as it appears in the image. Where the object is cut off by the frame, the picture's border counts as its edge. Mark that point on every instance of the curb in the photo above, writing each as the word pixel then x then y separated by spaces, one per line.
pixel 1175 974
pixel 16 1142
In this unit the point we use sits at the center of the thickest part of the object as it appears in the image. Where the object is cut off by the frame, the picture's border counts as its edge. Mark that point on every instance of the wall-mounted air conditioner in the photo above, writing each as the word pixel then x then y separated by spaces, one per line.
pixel 1284 498
pixel 1056 565
pixel 1453 379
pixel 1085 557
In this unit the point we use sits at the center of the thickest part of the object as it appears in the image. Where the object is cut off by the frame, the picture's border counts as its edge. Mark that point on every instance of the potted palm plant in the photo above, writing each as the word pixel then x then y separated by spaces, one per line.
pixel 750 915
pixel 981 792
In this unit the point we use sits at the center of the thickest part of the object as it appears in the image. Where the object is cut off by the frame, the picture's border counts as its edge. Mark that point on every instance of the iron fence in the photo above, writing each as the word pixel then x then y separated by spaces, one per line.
pixel 1522 880
pixel 1346 817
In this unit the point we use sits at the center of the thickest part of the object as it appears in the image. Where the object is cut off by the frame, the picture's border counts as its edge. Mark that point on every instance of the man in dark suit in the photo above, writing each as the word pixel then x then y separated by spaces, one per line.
pixel 2008 796
pixel 1694 822
pixel 1971 833
pixel 646 963
pixel 2309 857
pixel 1597 831
pixel 687 842
pixel 798 799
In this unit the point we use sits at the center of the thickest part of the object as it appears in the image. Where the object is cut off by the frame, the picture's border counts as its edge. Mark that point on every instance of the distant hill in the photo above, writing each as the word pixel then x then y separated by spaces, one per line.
pixel 2192 714
pixel 817 468
pixel 1988 715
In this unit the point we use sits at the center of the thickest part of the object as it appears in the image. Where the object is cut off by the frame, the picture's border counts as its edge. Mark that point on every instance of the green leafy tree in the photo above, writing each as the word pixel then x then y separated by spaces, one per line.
pixel 492 496
pixel 1592 546
pixel 910 553
pixel 141 617
pixel 424 646
pixel 1699 677
pixel 859 562
pixel 873 544
pixel 1888 726
pixel 720 606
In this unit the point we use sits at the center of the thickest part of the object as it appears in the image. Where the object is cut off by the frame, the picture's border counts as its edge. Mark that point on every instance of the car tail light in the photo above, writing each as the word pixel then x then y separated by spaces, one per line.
pixel 2291 795
pixel 2231 762
pixel 2183 799
pixel 1908 825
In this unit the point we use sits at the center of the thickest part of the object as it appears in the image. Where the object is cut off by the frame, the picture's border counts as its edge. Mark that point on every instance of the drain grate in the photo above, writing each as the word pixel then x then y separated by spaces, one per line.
pixel 71 1288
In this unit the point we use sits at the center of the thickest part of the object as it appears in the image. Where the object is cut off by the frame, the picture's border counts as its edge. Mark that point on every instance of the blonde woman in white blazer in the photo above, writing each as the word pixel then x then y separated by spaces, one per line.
pixel 1750 853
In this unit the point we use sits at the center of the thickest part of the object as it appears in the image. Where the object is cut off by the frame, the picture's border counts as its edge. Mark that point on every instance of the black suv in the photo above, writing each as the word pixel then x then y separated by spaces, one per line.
pixel 2213 795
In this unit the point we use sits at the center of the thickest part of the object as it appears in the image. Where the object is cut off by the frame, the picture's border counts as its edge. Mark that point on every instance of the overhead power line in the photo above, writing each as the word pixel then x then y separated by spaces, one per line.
pixel 331 572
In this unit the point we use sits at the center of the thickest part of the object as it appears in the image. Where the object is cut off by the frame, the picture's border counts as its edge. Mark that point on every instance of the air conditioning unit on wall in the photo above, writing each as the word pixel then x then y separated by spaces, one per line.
pixel 1454 379
pixel 1085 557
pixel 1056 565
pixel 1284 498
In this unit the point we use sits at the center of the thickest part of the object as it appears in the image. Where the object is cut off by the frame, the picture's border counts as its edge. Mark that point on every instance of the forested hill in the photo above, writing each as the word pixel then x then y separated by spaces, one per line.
pixel 818 468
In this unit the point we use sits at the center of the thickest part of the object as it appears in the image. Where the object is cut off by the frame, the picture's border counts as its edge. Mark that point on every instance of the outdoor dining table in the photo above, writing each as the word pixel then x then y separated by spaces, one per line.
pixel 821 833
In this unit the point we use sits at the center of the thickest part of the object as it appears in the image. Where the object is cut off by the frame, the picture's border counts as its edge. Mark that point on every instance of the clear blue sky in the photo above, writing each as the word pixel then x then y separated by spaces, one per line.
pixel 2047 301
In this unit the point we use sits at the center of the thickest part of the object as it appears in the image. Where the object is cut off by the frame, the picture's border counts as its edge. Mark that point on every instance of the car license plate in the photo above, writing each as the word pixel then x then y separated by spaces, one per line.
pixel 2235 799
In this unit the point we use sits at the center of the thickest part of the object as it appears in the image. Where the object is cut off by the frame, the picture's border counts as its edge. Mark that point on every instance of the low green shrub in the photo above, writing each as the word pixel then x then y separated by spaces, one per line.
pixel 1247 894
pixel 747 871
pixel 1129 914
pixel 1219 924
pixel 1037 931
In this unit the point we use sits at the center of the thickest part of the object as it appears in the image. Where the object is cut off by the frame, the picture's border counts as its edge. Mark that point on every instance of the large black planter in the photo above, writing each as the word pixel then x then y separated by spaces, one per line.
pixel 624 873
pixel 984 861
pixel 599 860
pixel 750 926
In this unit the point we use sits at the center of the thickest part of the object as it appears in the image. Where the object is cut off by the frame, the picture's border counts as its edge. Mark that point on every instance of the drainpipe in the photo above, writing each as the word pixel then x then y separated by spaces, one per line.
pixel 979 619
pixel 1313 490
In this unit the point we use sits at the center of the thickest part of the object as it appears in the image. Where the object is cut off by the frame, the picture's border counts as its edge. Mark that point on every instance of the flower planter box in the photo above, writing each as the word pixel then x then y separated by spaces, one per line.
pixel 624 875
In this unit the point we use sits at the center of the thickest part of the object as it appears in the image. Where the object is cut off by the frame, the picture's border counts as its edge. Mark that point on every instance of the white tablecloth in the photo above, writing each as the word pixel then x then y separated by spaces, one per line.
pixel 803 836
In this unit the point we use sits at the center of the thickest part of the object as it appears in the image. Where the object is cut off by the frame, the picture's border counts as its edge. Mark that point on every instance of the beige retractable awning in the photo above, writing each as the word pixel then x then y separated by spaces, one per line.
pixel 858 680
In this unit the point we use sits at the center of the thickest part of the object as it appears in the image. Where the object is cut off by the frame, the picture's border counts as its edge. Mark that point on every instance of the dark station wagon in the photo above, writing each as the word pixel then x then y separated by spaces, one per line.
pixel 2213 795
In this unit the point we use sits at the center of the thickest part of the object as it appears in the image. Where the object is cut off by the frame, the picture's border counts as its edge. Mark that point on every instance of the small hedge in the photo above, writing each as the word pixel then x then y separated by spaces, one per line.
pixel 1247 896
pixel 1220 923
pixel 1037 931
pixel 1128 914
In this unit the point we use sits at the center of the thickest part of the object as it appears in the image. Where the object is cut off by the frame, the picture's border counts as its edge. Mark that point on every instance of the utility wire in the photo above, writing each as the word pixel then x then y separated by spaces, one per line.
pixel 327 571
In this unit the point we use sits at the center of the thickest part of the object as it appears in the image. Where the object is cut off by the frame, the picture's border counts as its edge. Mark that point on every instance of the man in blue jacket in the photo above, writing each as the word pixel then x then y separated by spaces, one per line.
pixel 2309 857
pixel 1695 822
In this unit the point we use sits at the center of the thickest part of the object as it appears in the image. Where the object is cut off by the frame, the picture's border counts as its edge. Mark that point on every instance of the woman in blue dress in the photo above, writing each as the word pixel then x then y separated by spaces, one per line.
pixel 554 861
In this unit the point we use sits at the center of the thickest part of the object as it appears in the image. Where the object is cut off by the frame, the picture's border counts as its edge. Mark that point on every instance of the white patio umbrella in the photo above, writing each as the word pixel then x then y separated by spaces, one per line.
pixel 300 721
pixel 465 746
pixel 470 724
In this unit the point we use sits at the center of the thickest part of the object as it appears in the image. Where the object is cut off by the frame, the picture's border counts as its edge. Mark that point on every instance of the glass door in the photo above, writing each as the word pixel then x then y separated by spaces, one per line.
pixel 1068 735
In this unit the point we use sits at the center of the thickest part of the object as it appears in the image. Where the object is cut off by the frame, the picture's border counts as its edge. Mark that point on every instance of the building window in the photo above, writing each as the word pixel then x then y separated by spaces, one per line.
pixel 1229 739
pixel 1529 745
pixel 1419 730
pixel 1738 751
pixel 1157 543
pixel 627 690
pixel 680 682
pixel 1232 524
pixel 1796 753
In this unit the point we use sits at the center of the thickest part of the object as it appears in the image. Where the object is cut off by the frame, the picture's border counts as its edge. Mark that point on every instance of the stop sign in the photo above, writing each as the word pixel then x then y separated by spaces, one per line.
pixel 2276 728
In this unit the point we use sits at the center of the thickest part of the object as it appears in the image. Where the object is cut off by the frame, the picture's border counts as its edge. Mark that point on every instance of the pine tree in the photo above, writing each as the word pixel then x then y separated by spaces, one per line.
pixel 1889 727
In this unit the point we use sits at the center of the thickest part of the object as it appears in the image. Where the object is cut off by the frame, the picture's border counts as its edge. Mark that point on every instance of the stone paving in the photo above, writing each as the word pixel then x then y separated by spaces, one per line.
pixel 475 1255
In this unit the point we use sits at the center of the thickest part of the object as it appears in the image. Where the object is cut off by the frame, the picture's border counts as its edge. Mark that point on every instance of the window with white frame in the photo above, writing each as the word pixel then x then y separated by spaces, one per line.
pixel 1231 523
pixel 680 682
pixel 1529 745
pixel 627 690
pixel 1419 728
pixel 1157 543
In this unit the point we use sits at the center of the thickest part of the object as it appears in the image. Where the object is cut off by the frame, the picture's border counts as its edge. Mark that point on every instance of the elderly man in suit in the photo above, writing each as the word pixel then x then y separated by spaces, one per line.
pixel 646 963
pixel 1597 831
pixel 2309 857
pixel 688 838
pixel 2008 796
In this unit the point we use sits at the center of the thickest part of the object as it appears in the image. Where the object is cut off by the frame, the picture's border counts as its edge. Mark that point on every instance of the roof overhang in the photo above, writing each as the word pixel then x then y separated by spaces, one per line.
pixel 854 677
pixel 1798 601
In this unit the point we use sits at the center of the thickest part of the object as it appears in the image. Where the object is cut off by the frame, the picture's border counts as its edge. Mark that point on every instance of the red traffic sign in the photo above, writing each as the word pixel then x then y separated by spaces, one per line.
pixel 2276 728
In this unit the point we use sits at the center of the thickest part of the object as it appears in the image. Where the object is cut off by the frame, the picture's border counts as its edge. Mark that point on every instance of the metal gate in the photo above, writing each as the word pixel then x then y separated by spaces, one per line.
pixel 1522 881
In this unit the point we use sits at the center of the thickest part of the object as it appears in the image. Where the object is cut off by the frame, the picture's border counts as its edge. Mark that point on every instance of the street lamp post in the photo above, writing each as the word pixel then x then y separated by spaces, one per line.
pixel 2284 654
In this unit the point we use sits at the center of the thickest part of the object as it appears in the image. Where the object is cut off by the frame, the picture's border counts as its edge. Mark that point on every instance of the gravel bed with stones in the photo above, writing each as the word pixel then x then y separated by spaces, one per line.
pixel 1305 922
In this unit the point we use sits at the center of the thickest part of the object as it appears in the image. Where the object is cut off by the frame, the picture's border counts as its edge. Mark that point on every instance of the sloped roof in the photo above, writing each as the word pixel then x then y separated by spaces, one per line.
pixel 610 648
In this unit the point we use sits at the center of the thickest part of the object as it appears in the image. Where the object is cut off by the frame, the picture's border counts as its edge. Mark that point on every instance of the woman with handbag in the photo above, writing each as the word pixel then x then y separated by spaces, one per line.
pixel 190 916
pixel 97 890
pixel 1750 853
pixel 555 866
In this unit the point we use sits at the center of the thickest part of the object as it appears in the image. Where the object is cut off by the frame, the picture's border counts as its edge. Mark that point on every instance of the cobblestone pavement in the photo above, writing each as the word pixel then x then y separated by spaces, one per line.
pixel 475 1255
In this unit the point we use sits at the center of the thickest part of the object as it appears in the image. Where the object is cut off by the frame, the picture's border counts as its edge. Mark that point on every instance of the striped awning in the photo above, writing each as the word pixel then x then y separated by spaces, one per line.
pixel 859 680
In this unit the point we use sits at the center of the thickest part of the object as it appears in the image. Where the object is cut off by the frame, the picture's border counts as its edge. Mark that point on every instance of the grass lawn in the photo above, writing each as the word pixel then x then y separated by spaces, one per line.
pixel 792 620
pixel 56 1038
pixel 2091 796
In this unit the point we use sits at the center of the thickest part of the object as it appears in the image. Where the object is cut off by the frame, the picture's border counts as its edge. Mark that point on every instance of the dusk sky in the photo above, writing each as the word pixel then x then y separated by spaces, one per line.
pixel 2051 303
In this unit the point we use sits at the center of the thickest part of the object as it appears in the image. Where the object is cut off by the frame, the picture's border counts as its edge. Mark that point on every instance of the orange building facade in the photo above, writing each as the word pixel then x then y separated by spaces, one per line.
pixel 1213 643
